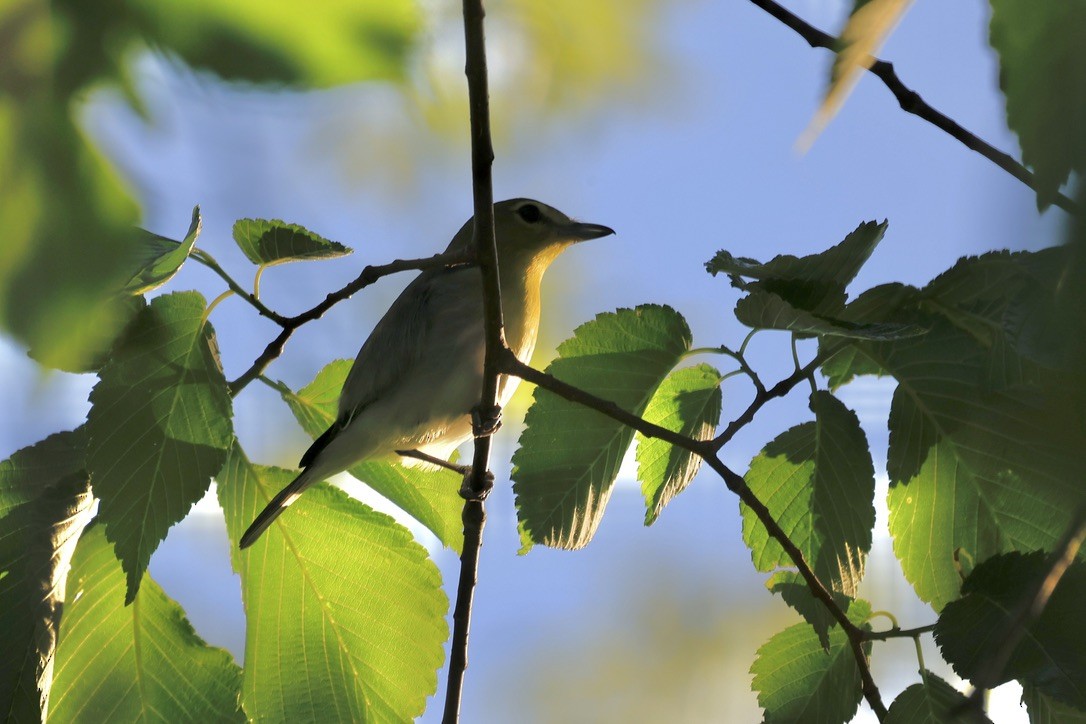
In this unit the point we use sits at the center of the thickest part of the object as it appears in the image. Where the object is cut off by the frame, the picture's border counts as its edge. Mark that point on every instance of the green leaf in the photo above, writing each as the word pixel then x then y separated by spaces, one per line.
pixel 134 663
pixel 764 310
pixel 886 303
pixel 430 496
pixel 247 40
pixel 794 591
pixel 816 282
pixel 971 470
pixel 569 455
pixel 1043 709
pixel 159 427
pixel 868 26
pixel 818 481
pixel 687 402
pixel 932 702
pixel 345 616
pixel 1051 655
pixel 160 258
pixel 1043 75
pixel 266 243
pixel 799 681
pixel 44 502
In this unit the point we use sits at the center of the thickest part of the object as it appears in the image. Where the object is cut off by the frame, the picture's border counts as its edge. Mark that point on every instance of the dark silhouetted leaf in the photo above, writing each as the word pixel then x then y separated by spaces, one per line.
pixel 1051 655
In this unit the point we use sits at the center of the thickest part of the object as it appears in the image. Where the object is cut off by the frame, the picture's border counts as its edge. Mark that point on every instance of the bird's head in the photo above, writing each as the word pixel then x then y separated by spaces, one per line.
pixel 531 234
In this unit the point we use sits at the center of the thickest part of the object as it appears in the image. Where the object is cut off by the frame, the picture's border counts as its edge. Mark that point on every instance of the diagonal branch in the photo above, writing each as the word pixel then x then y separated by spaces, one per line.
pixel 911 101
pixel 707 450
pixel 368 276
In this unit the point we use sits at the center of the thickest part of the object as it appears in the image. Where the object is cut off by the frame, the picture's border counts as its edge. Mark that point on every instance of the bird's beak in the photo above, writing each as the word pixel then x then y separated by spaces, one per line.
pixel 583 232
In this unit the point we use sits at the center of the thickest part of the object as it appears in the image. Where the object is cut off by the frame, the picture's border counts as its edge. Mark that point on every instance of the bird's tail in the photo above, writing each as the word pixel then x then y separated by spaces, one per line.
pixel 278 504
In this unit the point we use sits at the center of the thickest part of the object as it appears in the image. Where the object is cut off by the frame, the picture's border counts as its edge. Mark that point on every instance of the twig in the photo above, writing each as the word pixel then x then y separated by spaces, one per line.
pixel 207 260
pixel 898 633
pixel 735 482
pixel 433 460
pixel 911 101
pixel 368 276
pixel 763 395
pixel 486 252
pixel 1031 607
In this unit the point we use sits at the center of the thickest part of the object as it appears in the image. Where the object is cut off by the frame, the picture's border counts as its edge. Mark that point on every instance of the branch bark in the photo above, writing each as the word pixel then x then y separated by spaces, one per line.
pixel 479 482
pixel 911 101
pixel 368 276
pixel 707 450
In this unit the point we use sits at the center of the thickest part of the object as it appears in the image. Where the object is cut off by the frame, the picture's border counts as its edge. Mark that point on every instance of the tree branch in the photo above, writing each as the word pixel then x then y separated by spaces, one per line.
pixel 368 276
pixel 911 101
pixel 735 482
pixel 487 413
pixel 898 633
pixel 207 260
pixel 762 396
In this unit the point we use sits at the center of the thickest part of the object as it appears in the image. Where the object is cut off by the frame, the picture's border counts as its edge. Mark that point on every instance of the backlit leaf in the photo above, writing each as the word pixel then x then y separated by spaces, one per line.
pixel 159 427
pixel 345 615
pixel 569 455
pixel 276 242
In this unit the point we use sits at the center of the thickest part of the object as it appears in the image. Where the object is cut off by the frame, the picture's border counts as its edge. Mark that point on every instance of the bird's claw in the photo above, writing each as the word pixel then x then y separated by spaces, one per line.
pixel 485 423
pixel 468 490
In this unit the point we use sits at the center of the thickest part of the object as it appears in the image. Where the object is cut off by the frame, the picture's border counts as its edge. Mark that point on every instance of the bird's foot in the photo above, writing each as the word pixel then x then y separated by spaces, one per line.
pixel 485 423
pixel 468 490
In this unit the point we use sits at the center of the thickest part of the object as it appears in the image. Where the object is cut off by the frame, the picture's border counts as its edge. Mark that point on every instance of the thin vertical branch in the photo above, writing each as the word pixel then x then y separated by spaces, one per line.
pixel 474 515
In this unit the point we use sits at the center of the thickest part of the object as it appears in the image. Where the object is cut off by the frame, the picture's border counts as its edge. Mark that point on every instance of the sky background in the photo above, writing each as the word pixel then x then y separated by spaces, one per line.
pixel 699 155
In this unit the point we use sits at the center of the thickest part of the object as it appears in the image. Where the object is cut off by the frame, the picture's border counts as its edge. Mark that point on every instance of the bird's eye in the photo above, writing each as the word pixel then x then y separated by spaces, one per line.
pixel 530 213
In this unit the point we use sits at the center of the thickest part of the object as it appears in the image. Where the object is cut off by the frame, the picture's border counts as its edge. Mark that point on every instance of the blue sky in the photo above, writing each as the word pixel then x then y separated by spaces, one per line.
pixel 711 164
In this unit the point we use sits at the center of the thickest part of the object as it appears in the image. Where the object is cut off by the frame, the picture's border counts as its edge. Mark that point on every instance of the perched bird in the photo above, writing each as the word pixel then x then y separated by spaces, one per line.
pixel 418 377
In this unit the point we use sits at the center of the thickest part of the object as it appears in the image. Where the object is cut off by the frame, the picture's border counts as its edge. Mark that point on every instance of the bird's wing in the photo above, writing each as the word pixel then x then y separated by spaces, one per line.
pixel 440 312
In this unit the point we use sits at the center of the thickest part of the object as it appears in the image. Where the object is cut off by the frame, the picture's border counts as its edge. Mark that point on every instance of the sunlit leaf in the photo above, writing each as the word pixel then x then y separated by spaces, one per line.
pixel 1051 655
pixel 931 702
pixel 44 502
pixel 276 242
pixel 868 26
pixel 160 258
pixel 142 662
pixel 345 616
pixel 565 466
pixel 1042 63
pixel 818 481
pixel 797 680
pixel 159 427
pixel 431 497
pixel 974 470
pixel 688 402
pixel 886 303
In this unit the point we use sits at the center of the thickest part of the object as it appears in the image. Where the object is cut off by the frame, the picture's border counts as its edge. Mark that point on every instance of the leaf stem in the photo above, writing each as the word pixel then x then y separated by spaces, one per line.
pixel 256 280
pixel 207 260
pixel 214 303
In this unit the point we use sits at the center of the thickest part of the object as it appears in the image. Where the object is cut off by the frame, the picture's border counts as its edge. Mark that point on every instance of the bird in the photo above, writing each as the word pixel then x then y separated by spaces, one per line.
pixel 419 375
